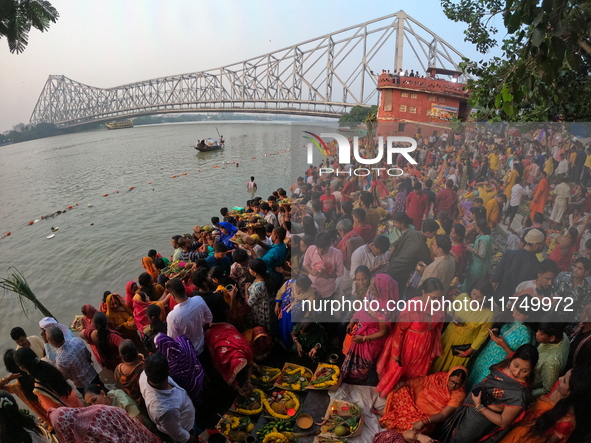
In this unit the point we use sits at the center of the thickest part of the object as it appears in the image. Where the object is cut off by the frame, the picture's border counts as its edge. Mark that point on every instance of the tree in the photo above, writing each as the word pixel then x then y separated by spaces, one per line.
pixel 17 17
pixel 357 114
pixel 544 72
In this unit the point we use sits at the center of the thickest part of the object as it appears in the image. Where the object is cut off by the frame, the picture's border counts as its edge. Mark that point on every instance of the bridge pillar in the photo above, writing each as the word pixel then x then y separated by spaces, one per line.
pixel 401 15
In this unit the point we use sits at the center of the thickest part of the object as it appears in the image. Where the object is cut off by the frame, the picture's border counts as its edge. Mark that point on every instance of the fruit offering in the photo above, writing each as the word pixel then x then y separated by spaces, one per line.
pixel 325 377
pixel 276 437
pixel 281 426
pixel 294 377
pixel 235 428
pixel 266 380
pixel 250 405
pixel 281 404
pixel 342 420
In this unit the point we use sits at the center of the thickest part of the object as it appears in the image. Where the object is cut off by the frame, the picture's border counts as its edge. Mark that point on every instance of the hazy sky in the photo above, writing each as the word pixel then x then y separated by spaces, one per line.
pixel 114 42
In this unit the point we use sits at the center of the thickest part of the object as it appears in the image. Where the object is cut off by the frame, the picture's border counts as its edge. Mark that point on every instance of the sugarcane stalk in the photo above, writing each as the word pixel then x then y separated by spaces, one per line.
pixel 16 282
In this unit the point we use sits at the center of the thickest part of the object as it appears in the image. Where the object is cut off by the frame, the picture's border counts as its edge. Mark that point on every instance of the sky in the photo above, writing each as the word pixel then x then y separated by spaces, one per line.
pixel 114 42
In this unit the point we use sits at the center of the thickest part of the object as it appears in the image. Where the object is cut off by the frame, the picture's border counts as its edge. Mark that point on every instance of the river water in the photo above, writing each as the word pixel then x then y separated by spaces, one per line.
pixel 100 248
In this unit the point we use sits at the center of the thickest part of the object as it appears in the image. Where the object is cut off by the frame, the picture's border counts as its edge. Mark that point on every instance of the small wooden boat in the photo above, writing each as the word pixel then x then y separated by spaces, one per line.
pixel 209 144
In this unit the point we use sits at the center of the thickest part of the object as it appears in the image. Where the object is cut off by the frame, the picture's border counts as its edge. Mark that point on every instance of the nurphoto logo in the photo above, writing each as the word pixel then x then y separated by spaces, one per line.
pixel 393 145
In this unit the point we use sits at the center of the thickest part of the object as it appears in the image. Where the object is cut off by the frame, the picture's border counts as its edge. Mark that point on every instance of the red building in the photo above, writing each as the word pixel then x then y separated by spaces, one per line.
pixel 410 105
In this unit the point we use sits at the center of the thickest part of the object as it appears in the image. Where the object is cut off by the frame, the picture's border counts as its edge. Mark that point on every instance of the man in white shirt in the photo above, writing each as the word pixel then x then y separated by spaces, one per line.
pixel 168 405
pixel 517 193
pixel 189 316
pixel 32 341
pixel 562 167
pixel 374 255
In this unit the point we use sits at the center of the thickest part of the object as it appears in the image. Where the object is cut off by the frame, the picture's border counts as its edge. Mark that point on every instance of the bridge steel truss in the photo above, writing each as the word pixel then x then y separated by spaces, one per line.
pixel 323 77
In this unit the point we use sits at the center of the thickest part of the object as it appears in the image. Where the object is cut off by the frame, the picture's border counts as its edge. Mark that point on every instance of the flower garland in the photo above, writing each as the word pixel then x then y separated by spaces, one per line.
pixel 331 377
pixel 275 437
pixel 288 395
pixel 253 411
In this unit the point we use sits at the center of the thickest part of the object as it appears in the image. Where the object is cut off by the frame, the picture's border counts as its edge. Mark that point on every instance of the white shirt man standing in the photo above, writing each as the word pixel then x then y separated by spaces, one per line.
pixel 188 317
pixel 168 405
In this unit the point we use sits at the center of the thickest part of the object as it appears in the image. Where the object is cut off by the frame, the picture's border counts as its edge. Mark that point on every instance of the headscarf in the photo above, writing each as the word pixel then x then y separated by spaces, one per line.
pixel 386 295
pixel 122 318
pixel 50 321
pixel 148 265
pixel 342 246
pixel 380 187
pixel 435 393
pixel 87 319
pixel 259 340
pixel 129 293
pixel 225 238
pixel 139 311
pixel 98 424
pixel 183 362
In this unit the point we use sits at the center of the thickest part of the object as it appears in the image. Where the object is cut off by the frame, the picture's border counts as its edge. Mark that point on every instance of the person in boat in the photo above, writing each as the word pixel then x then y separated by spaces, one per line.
pixel 221 139
pixel 202 143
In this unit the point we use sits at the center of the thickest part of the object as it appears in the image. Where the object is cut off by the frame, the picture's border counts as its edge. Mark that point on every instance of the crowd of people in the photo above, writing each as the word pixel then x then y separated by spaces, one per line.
pixel 233 295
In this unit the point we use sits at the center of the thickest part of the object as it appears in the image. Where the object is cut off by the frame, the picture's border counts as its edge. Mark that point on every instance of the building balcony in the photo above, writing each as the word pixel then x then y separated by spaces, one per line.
pixel 422 84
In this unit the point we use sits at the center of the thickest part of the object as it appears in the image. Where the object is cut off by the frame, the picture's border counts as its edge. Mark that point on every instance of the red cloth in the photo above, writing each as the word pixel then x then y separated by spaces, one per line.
pixel 415 341
pixel 417 206
pixel 329 202
pixel 365 232
pixel 350 186
pixel 130 292
pixel 447 200
pixel 229 350
pixel 564 262
pixel 423 397
pixel 98 424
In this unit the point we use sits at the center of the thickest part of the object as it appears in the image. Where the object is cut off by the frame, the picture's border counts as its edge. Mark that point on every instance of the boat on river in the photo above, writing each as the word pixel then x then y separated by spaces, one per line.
pixel 120 125
pixel 209 144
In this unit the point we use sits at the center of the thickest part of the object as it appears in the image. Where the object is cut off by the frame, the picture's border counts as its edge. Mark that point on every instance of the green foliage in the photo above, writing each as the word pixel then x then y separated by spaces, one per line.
pixel 18 16
pixel 17 283
pixel 41 130
pixel 358 114
pixel 543 74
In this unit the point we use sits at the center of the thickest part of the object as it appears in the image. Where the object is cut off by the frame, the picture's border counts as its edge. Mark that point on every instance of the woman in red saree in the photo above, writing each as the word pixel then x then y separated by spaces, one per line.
pixel 369 329
pixel 230 352
pixel 140 306
pixel 422 401
pixel 130 290
pixel 416 340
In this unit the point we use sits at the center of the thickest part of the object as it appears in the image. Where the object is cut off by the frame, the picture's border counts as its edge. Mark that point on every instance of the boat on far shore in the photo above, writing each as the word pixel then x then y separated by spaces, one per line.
pixel 119 125
pixel 209 144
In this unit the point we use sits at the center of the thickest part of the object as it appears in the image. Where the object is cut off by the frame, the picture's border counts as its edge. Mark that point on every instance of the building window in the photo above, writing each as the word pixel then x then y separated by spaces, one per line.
pixel 404 94
pixel 413 95
pixel 431 98
pixel 412 110
pixel 441 99
pixel 388 100
pixel 402 108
